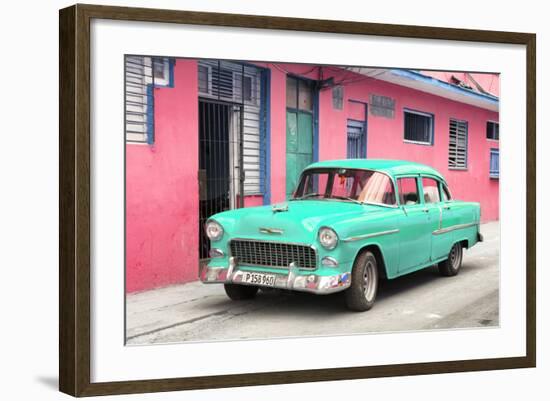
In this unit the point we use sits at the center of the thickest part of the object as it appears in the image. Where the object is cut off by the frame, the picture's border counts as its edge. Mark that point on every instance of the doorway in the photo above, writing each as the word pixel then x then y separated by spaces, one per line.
pixel 357 130
pixel 220 149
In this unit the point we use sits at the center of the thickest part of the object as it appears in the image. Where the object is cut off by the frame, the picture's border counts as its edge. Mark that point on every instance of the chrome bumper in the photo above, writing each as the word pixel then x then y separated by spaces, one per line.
pixel 286 279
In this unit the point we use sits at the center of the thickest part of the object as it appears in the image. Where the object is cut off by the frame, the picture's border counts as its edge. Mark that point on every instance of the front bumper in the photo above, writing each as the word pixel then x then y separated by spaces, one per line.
pixel 287 279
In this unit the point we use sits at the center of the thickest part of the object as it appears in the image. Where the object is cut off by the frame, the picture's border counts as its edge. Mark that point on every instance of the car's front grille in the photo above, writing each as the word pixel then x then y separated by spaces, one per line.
pixel 273 254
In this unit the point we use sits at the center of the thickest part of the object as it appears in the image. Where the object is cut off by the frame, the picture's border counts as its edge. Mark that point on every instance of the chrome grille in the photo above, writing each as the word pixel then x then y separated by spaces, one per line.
pixel 273 254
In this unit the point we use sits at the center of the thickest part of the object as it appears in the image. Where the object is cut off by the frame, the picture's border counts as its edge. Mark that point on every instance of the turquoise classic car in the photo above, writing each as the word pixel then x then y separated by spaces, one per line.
pixel 348 224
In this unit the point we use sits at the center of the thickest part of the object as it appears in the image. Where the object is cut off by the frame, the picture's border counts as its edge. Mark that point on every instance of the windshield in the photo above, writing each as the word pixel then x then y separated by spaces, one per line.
pixel 351 185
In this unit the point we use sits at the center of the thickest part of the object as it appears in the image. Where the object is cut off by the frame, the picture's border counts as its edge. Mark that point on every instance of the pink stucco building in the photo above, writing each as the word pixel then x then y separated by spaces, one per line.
pixel 208 135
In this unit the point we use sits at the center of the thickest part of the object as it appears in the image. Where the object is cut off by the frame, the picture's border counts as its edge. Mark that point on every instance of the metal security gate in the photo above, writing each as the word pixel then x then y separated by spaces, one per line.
pixel 231 133
pixel 221 178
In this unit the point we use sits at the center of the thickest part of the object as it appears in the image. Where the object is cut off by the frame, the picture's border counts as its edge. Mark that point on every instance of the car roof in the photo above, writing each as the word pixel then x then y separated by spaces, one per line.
pixel 390 167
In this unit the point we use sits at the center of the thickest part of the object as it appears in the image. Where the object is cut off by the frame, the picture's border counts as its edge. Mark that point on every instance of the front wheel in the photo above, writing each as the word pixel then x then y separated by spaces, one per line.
pixel 239 292
pixel 361 294
pixel 451 266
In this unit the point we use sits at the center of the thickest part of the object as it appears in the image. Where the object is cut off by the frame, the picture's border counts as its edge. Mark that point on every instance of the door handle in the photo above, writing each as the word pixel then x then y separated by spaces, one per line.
pixel 447 207
pixel 426 210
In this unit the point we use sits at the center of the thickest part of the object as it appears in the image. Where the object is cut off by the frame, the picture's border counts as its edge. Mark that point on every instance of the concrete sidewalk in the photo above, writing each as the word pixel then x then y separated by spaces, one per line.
pixel 418 301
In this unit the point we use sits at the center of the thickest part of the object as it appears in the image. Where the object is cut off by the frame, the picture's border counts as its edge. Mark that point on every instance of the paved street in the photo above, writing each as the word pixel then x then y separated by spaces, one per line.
pixel 419 301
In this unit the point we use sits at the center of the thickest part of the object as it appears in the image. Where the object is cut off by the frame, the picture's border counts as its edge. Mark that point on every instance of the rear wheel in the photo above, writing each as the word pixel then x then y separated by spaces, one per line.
pixel 451 266
pixel 360 296
pixel 238 292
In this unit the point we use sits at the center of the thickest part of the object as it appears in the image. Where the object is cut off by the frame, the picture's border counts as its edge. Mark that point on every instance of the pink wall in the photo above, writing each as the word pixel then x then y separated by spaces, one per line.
pixel 385 140
pixel 385 136
pixel 161 180
pixel 162 190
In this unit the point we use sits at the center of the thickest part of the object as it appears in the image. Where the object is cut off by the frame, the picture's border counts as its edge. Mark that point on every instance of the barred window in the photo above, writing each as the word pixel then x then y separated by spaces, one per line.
pixel 458 144
pixel 419 127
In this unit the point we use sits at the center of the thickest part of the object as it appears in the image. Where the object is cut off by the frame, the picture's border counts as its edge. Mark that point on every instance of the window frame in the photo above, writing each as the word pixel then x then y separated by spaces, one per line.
pixel 416 179
pixel 432 126
pixel 149 95
pixel 208 78
pixel 168 64
pixel 495 124
pixel 492 175
pixel 438 186
pixel 350 122
pixel 255 84
pixel 443 187
pixel 310 84
pixel 459 168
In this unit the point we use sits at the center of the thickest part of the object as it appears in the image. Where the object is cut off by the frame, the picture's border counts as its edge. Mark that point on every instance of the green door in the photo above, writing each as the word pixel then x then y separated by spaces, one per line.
pixel 299 146
pixel 299 130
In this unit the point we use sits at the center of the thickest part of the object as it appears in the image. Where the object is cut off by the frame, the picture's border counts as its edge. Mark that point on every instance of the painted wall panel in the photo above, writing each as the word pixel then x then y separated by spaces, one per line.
pixel 162 190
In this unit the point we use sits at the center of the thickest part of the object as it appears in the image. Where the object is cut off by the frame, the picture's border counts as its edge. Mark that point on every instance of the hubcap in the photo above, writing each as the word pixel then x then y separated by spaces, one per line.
pixel 454 257
pixel 369 281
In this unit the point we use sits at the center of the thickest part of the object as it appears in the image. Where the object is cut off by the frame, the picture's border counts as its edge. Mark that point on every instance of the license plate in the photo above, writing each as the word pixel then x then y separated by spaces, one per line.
pixel 259 279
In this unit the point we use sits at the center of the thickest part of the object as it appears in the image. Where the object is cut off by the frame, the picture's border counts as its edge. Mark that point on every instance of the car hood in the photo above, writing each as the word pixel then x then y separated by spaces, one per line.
pixel 293 221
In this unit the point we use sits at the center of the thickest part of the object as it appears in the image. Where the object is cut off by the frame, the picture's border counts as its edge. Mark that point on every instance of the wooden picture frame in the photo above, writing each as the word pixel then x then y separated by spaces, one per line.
pixel 74 203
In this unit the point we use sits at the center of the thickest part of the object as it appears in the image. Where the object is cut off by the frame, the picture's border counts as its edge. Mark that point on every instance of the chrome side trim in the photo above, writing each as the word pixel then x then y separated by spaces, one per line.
pixel 452 228
pixel 372 235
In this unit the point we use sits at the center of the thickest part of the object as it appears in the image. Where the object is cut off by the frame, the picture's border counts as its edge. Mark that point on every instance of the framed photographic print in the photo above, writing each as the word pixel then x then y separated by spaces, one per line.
pixel 250 200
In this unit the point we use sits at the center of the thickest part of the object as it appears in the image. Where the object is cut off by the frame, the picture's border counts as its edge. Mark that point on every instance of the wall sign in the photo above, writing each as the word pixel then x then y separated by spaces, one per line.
pixel 382 106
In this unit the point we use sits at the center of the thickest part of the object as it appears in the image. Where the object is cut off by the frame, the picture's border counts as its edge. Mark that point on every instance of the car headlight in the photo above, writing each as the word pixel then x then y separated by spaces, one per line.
pixel 328 238
pixel 214 230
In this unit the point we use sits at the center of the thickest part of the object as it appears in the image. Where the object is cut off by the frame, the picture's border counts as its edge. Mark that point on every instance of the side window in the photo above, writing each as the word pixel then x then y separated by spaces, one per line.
pixel 446 195
pixel 408 191
pixel 431 190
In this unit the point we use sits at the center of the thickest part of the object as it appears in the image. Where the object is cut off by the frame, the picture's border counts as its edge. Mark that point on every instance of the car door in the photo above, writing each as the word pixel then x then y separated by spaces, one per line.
pixel 414 228
pixel 443 237
pixel 433 202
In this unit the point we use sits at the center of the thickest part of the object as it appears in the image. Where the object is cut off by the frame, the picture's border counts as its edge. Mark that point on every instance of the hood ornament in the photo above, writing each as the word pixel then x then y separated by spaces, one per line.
pixel 269 230
pixel 280 208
